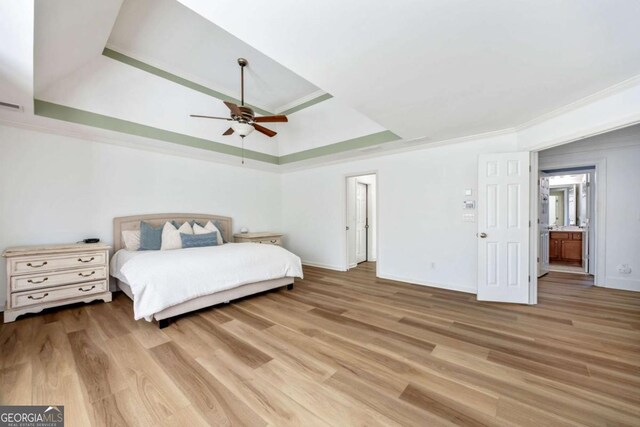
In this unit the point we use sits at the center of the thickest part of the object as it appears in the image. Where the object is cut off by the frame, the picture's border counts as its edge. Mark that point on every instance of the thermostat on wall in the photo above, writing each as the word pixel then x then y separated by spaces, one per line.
pixel 469 204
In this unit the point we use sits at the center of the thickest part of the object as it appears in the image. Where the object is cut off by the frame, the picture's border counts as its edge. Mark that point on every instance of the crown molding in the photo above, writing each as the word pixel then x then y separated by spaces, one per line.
pixel 74 130
pixel 304 102
pixel 590 99
pixel 389 148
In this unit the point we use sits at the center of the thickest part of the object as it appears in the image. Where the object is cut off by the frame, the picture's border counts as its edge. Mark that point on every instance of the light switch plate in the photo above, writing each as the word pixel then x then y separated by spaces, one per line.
pixel 468 192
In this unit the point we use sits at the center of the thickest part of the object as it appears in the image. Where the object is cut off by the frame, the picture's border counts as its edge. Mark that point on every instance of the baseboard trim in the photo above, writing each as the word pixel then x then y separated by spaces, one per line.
pixel 621 283
pixel 411 281
pixel 321 265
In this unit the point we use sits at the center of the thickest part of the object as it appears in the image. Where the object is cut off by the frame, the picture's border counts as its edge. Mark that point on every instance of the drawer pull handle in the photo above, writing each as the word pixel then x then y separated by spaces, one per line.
pixel 43 296
pixel 274 241
pixel 39 281
pixel 87 275
pixel 89 260
pixel 37 266
pixel 87 290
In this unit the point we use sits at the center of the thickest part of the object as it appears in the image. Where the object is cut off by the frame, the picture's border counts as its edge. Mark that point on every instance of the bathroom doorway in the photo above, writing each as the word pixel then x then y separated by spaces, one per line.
pixel 567 221
pixel 361 221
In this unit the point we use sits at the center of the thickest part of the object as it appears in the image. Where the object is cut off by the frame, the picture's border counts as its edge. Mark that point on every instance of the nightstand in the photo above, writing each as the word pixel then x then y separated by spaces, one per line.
pixel 40 277
pixel 264 237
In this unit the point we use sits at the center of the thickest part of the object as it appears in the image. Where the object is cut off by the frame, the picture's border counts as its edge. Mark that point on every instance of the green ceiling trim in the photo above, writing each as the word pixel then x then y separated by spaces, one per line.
pixel 309 103
pixel 87 118
pixel 340 147
pixel 69 114
pixel 110 53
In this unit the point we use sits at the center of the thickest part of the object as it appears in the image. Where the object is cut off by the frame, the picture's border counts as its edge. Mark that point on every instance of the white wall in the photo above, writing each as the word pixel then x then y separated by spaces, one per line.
pixel 420 196
pixel 57 189
pixel 619 151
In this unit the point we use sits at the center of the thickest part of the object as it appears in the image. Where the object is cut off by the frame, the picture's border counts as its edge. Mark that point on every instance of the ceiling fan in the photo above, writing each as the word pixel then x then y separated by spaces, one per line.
pixel 243 120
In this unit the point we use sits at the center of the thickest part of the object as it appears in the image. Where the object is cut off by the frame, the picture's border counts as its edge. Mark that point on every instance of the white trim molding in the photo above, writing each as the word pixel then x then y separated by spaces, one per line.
pixel 448 287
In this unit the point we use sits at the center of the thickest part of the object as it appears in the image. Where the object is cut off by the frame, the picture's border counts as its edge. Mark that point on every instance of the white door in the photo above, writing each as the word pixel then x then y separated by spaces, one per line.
pixel 361 222
pixel 543 225
pixel 503 227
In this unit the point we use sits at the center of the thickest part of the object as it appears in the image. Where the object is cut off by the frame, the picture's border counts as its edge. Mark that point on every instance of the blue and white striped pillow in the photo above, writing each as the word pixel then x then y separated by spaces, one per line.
pixel 199 240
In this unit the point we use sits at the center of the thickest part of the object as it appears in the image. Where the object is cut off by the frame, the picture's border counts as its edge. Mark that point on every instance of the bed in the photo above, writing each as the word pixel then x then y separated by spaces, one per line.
pixel 259 268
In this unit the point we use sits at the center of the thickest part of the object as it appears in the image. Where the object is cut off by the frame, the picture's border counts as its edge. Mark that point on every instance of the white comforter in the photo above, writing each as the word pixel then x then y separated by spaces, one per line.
pixel 161 279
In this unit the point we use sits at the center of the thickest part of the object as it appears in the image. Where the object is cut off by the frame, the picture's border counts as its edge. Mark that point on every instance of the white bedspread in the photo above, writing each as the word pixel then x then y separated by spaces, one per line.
pixel 161 279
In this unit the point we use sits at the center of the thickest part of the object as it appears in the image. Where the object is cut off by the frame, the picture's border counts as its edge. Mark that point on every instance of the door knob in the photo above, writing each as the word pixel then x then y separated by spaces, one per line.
pixel 483 235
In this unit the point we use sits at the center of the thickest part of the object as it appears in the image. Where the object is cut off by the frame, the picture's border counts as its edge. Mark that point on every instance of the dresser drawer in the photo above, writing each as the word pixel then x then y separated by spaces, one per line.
pixel 46 280
pixel 32 265
pixel 576 236
pixel 22 299
pixel 559 235
pixel 274 241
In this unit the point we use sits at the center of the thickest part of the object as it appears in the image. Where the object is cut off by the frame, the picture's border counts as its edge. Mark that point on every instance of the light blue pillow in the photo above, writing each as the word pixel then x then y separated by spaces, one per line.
pixel 198 240
pixel 150 237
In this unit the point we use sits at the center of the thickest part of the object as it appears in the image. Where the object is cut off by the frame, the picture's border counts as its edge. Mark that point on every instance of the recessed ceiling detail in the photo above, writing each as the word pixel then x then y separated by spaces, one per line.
pixel 110 53
pixel 140 67
pixel 87 118
pixel 172 37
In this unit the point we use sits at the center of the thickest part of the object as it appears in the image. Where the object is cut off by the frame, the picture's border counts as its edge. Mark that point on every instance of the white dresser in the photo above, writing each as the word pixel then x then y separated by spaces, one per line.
pixel 40 277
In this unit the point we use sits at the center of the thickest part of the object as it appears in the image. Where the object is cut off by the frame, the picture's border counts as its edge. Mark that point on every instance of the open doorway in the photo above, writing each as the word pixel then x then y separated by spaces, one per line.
pixel 361 229
pixel 566 221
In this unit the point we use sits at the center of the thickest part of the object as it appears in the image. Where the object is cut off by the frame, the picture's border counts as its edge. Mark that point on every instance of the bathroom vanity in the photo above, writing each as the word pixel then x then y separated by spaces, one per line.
pixel 566 246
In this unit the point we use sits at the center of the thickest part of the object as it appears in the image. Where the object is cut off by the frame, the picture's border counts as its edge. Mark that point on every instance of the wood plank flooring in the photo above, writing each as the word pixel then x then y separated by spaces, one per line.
pixel 340 349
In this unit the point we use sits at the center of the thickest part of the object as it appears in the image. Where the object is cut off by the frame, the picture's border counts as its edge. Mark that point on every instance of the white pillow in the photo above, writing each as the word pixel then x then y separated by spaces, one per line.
pixel 208 228
pixel 171 236
pixel 131 239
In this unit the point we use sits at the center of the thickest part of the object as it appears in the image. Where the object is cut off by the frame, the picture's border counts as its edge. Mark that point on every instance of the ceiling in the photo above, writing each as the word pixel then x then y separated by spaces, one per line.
pixel 351 76
pixel 444 68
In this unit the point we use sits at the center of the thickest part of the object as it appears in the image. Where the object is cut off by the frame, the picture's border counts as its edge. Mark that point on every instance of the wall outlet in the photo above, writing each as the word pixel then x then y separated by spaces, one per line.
pixel 624 269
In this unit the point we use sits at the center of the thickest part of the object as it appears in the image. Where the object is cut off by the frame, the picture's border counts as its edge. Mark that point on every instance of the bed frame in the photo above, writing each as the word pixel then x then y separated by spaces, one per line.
pixel 163 317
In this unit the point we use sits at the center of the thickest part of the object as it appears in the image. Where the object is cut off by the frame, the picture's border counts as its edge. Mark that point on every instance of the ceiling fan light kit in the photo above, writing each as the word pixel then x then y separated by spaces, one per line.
pixel 243 119
pixel 242 129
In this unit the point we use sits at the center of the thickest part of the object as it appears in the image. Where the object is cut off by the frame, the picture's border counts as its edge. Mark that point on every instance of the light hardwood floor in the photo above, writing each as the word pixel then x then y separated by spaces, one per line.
pixel 340 349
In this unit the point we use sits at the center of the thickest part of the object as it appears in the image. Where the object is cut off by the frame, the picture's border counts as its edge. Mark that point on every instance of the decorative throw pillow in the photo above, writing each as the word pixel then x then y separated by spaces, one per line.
pixel 171 235
pixel 219 227
pixel 199 240
pixel 209 228
pixel 131 239
pixel 150 237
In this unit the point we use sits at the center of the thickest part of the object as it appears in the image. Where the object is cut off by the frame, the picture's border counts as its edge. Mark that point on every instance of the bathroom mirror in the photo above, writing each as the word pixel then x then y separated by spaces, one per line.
pixel 567 200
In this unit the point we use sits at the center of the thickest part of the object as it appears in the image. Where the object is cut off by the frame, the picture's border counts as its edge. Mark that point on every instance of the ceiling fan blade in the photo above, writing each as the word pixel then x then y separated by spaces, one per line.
pixel 209 117
pixel 228 131
pixel 271 119
pixel 264 130
pixel 233 107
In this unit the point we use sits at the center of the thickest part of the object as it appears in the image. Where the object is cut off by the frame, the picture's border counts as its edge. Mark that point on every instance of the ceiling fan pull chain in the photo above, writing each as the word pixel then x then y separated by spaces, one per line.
pixel 242 138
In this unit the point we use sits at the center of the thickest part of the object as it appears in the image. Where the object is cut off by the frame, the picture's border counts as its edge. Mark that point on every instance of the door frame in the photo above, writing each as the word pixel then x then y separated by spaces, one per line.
pixel 366 221
pixel 565 201
pixel 345 222
pixel 599 202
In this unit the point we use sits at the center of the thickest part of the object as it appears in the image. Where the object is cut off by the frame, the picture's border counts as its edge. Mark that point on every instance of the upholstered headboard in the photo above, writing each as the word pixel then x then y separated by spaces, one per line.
pixel 133 223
